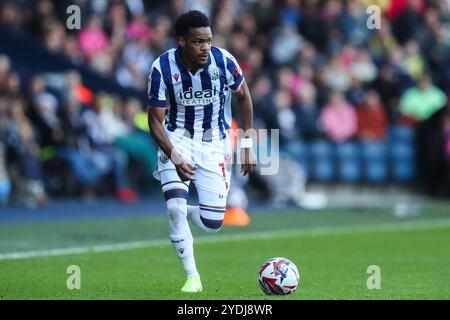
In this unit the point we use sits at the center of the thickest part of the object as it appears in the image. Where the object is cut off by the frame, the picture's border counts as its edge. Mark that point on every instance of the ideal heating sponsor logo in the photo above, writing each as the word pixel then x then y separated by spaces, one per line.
pixel 199 97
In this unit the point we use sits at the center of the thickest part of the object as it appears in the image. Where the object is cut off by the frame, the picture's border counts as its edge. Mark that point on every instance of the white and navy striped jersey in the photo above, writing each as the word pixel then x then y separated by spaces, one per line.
pixel 197 104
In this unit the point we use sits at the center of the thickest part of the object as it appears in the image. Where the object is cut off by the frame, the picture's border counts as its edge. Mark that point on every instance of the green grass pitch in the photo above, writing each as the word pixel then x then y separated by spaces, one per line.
pixel 332 250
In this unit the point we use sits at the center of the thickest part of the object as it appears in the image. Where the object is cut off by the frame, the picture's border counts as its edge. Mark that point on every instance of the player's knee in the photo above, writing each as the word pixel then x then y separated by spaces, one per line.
pixel 176 209
pixel 212 226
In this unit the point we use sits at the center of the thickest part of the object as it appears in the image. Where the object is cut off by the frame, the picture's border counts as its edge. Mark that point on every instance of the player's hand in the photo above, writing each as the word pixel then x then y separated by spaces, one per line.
pixel 185 171
pixel 248 161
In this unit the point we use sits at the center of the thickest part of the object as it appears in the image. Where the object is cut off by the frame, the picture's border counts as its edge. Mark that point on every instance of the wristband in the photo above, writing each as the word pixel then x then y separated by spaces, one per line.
pixel 246 143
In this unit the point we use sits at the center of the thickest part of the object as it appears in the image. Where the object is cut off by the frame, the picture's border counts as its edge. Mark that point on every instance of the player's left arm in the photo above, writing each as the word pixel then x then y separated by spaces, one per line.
pixel 245 114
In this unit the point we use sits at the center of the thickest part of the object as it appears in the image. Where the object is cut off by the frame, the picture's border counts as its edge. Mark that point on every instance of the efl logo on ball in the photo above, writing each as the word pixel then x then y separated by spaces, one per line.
pixel 278 276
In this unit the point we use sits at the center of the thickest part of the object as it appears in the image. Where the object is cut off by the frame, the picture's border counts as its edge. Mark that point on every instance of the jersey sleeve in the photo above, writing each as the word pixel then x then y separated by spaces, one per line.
pixel 156 88
pixel 235 77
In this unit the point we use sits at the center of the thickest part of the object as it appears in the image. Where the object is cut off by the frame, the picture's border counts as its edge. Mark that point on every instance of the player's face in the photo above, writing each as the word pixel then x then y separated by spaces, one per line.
pixel 197 45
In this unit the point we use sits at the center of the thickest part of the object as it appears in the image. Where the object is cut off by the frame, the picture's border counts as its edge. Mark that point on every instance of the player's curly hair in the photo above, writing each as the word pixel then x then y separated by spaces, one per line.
pixel 188 20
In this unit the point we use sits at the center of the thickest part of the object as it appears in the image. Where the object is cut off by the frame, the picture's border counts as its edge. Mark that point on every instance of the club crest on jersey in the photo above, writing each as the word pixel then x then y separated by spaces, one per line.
pixel 214 73
pixel 163 158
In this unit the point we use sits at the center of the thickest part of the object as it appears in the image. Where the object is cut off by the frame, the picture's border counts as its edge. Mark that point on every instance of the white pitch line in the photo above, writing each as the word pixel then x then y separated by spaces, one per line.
pixel 257 235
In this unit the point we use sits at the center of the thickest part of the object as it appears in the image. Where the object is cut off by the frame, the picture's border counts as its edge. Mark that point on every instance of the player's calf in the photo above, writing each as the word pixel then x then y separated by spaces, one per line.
pixel 179 232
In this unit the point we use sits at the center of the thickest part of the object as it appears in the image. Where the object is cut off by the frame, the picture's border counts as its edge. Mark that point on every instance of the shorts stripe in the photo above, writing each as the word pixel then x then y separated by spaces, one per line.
pixel 212 224
pixel 175 193
pixel 174 182
pixel 212 210
pixel 211 207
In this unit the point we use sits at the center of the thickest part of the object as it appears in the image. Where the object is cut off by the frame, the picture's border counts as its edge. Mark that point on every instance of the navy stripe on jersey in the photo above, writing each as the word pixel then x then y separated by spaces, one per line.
pixel 154 90
pixel 232 68
pixel 165 70
pixel 189 111
pixel 218 56
pixel 208 109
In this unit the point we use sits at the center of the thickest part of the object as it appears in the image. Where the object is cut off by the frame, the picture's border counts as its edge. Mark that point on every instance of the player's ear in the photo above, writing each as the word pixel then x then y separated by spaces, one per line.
pixel 181 41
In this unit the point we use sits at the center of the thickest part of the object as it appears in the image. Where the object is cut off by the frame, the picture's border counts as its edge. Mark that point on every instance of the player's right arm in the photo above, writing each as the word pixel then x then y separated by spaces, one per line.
pixel 156 113
pixel 155 122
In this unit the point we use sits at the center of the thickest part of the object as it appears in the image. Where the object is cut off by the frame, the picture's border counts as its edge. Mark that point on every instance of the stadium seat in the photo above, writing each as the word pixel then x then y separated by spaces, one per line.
pixel 402 133
pixel 375 161
pixel 402 151
pixel 301 152
pixel 323 170
pixel 349 162
pixel 404 171
pixel 322 161
pixel 403 161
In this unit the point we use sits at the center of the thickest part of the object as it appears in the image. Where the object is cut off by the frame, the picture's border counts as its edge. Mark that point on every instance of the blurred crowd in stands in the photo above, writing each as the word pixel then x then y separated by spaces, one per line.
pixel 315 70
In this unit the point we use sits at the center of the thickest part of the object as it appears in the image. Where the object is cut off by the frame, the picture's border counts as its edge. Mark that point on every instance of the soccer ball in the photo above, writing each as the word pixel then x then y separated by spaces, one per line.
pixel 278 276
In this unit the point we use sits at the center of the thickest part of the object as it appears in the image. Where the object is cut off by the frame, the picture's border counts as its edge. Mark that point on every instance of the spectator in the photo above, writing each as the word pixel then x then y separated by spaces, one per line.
pixel 356 93
pixel 363 68
pixel 432 165
pixel 47 119
pixel 116 23
pixel 5 182
pixel 446 131
pixel 413 63
pixel 372 119
pixel 45 12
pixel 76 152
pixel 24 151
pixel 93 40
pixel 137 59
pixel 382 42
pixel 312 27
pixel 137 142
pixel 308 113
pixel 320 82
pixel 286 117
pixel 286 45
pixel 262 101
pixel 54 36
pixel 388 82
pixel 72 50
pixel 75 89
pixel 301 79
pixel 420 102
pixel 13 85
pixel 353 22
pixel 285 79
pixel 5 65
pixel 10 16
pixel 338 118
pixel 337 77
pixel 105 156
pixel 139 29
